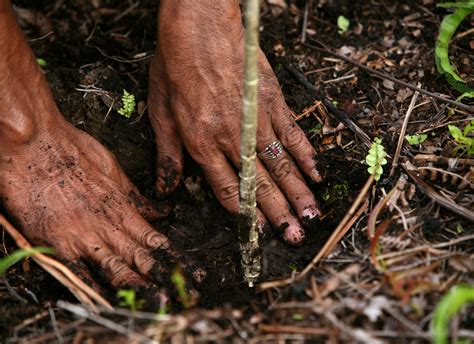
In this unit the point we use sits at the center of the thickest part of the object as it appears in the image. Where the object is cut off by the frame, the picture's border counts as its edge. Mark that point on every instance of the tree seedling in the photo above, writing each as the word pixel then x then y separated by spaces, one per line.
pixel 128 104
pixel 180 284
pixel 343 24
pixel 463 139
pixel 128 299
pixel 416 139
pixel 376 158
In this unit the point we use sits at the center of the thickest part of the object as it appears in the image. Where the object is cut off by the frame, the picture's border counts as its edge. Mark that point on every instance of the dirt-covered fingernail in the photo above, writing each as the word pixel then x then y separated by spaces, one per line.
pixel 310 213
pixel 315 176
pixel 294 235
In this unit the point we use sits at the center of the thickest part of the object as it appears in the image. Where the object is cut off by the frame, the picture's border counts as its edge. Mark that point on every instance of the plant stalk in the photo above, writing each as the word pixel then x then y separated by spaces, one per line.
pixel 248 234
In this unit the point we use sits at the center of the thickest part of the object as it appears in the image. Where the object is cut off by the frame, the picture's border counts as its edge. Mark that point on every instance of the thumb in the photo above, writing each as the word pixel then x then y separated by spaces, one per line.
pixel 169 168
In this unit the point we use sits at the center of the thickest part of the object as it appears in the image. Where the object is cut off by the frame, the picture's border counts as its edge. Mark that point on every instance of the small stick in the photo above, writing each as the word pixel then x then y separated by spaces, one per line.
pixel 345 224
pixel 391 78
pixel 440 199
pixel 315 331
pixel 305 21
pixel 76 286
pixel 403 130
pixel 338 114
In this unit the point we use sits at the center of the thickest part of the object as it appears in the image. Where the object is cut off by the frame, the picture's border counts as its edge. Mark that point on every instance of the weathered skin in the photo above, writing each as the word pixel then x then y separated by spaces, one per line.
pixel 195 100
pixel 65 190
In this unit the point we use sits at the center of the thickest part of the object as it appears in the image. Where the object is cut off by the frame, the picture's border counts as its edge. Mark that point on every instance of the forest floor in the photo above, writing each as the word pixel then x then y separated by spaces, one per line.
pixel 381 288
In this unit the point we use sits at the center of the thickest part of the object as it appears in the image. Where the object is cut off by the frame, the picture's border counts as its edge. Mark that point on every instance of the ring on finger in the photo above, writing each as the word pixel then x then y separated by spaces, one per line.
pixel 272 151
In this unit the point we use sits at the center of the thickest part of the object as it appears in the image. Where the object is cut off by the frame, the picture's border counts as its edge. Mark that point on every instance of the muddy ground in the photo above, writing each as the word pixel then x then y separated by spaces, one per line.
pixel 95 49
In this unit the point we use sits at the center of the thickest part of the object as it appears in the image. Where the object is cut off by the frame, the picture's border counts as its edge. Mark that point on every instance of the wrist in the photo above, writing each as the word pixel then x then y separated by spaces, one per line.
pixel 199 19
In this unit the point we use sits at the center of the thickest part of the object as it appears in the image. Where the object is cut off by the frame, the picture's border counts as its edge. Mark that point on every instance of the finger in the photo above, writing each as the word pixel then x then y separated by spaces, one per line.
pixel 134 254
pixel 143 233
pixel 273 204
pixel 294 140
pixel 288 177
pixel 114 267
pixel 225 185
pixel 169 167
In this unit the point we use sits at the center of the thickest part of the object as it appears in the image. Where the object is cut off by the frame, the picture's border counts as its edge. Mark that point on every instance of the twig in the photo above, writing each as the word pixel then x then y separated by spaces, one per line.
pixel 345 224
pixel 338 114
pixel 305 21
pixel 336 235
pixel 83 312
pixel 425 247
pixel 452 162
pixel 76 286
pixel 391 78
pixel 315 331
pixel 440 199
pixel 401 137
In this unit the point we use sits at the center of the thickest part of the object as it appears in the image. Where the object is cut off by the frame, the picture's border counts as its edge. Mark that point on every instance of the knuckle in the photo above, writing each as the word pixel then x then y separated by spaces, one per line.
pixel 228 191
pixel 282 168
pixel 264 186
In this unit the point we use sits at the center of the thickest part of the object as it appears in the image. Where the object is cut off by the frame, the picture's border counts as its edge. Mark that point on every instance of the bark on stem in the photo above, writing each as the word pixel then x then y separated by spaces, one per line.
pixel 248 233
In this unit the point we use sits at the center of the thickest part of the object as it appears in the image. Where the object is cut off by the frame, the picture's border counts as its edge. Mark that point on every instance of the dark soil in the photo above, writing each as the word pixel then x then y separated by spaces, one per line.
pixel 101 48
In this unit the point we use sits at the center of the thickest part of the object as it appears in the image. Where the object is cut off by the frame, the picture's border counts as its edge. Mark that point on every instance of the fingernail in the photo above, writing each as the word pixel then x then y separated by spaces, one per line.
pixel 261 226
pixel 315 176
pixel 310 213
pixel 294 235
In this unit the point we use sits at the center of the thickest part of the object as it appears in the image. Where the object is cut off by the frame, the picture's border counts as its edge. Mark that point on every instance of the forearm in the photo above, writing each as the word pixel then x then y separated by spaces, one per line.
pixel 25 99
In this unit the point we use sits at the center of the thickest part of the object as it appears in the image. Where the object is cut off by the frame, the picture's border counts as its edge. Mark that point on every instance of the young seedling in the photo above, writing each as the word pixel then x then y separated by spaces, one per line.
pixel 16 256
pixel 128 299
pixel 450 304
pixel 416 139
pixel 343 24
pixel 376 159
pixel 180 284
pixel 463 138
pixel 42 62
pixel 128 104
pixel 447 29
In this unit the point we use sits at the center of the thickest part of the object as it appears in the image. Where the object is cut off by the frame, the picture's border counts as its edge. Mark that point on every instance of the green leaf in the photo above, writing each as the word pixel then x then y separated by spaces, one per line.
pixel 16 256
pixel 343 24
pixel 376 158
pixel 450 304
pixel 42 62
pixel 416 139
pixel 128 104
pixel 180 284
pixel 456 133
pixel 447 29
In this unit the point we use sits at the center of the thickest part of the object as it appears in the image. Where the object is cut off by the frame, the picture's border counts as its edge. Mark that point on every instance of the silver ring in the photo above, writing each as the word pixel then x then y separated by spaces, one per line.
pixel 271 151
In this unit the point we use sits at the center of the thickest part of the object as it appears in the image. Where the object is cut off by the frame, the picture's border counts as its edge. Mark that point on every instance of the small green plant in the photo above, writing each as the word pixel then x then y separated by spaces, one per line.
pixel 416 139
pixel 463 138
pixel 450 304
pixel 128 299
pixel 343 24
pixel 316 129
pixel 16 256
pixel 128 104
pixel 180 284
pixel 376 158
pixel 447 29
pixel 42 62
